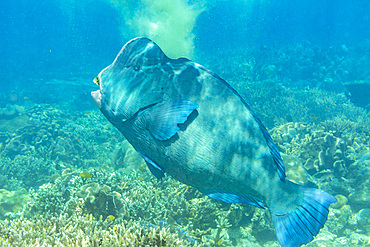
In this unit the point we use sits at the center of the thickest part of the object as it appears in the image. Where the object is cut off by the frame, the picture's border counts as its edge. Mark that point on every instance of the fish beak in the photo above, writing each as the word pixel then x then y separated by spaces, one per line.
pixel 96 95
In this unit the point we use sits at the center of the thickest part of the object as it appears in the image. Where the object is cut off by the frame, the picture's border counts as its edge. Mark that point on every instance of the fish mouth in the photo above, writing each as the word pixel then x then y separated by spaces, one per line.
pixel 96 95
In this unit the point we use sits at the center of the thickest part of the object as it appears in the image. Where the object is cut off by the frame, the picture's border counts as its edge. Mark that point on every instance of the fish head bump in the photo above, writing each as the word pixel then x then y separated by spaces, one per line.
pixel 136 79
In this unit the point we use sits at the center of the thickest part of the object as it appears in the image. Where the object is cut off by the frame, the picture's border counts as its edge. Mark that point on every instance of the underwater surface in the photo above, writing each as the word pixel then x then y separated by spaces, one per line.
pixel 69 178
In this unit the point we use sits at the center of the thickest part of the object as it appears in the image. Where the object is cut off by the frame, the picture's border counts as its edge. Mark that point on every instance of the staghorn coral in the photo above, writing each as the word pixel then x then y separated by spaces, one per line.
pixel 84 231
pixel 342 126
pixel 48 200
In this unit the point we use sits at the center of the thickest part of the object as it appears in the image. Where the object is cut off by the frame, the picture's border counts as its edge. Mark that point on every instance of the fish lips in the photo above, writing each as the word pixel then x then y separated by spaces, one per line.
pixel 96 95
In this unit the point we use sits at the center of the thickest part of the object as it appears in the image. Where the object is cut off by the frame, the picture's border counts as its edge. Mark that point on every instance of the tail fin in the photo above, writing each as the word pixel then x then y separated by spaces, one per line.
pixel 300 226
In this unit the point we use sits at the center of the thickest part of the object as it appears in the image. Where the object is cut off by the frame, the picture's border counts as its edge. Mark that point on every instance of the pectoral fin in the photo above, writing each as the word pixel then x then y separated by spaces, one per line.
pixel 163 119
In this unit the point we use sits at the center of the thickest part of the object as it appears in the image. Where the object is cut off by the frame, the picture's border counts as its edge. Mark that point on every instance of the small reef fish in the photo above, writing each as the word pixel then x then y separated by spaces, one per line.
pixel 314 118
pixel 186 121
pixel 111 217
pixel 85 175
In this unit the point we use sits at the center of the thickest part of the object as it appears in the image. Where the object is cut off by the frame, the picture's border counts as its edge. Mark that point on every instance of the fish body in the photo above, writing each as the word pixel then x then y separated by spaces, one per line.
pixel 186 121
pixel 85 175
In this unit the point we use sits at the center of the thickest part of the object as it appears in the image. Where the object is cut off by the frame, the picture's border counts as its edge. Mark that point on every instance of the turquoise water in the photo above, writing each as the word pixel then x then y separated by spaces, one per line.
pixel 303 67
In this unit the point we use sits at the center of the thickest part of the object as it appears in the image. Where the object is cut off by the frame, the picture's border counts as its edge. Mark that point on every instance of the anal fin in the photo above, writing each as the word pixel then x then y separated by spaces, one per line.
pixel 235 198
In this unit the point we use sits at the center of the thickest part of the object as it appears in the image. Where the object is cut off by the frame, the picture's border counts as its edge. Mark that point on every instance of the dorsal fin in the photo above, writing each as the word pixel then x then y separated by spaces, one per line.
pixel 273 149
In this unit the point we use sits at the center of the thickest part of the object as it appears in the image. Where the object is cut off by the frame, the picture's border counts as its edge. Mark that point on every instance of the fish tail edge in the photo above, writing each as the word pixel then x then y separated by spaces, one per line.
pixel 301 225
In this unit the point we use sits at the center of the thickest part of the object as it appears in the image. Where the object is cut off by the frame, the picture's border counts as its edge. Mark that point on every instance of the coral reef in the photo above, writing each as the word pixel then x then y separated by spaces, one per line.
pixel 46 130
pixel 51 141
pixel 55 148
pixel 359 92
pixel 25 170
pixel 84 231
pixel 327 153
pixel 302 65
pixel 336 158
pixel 12 117
pixel 11 111
pixel 12 202
pixel 100 200
pixel 294 83
pixel 142 199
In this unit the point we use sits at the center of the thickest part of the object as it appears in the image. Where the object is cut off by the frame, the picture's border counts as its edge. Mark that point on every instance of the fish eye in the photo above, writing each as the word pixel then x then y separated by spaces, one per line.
pixel 97 80
pixel 136 67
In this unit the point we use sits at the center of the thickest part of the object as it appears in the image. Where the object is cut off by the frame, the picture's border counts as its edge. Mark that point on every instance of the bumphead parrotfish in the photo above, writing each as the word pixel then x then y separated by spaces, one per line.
pixel 186 121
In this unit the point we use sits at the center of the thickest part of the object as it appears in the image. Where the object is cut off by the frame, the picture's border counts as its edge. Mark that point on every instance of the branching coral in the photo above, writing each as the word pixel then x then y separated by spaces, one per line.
pixel 84 231
pixel 145 201
pixel 26 170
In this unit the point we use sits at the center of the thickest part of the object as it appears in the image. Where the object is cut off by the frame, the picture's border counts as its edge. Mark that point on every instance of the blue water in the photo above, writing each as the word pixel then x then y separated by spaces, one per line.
pixel 235 23
pixel 48 38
